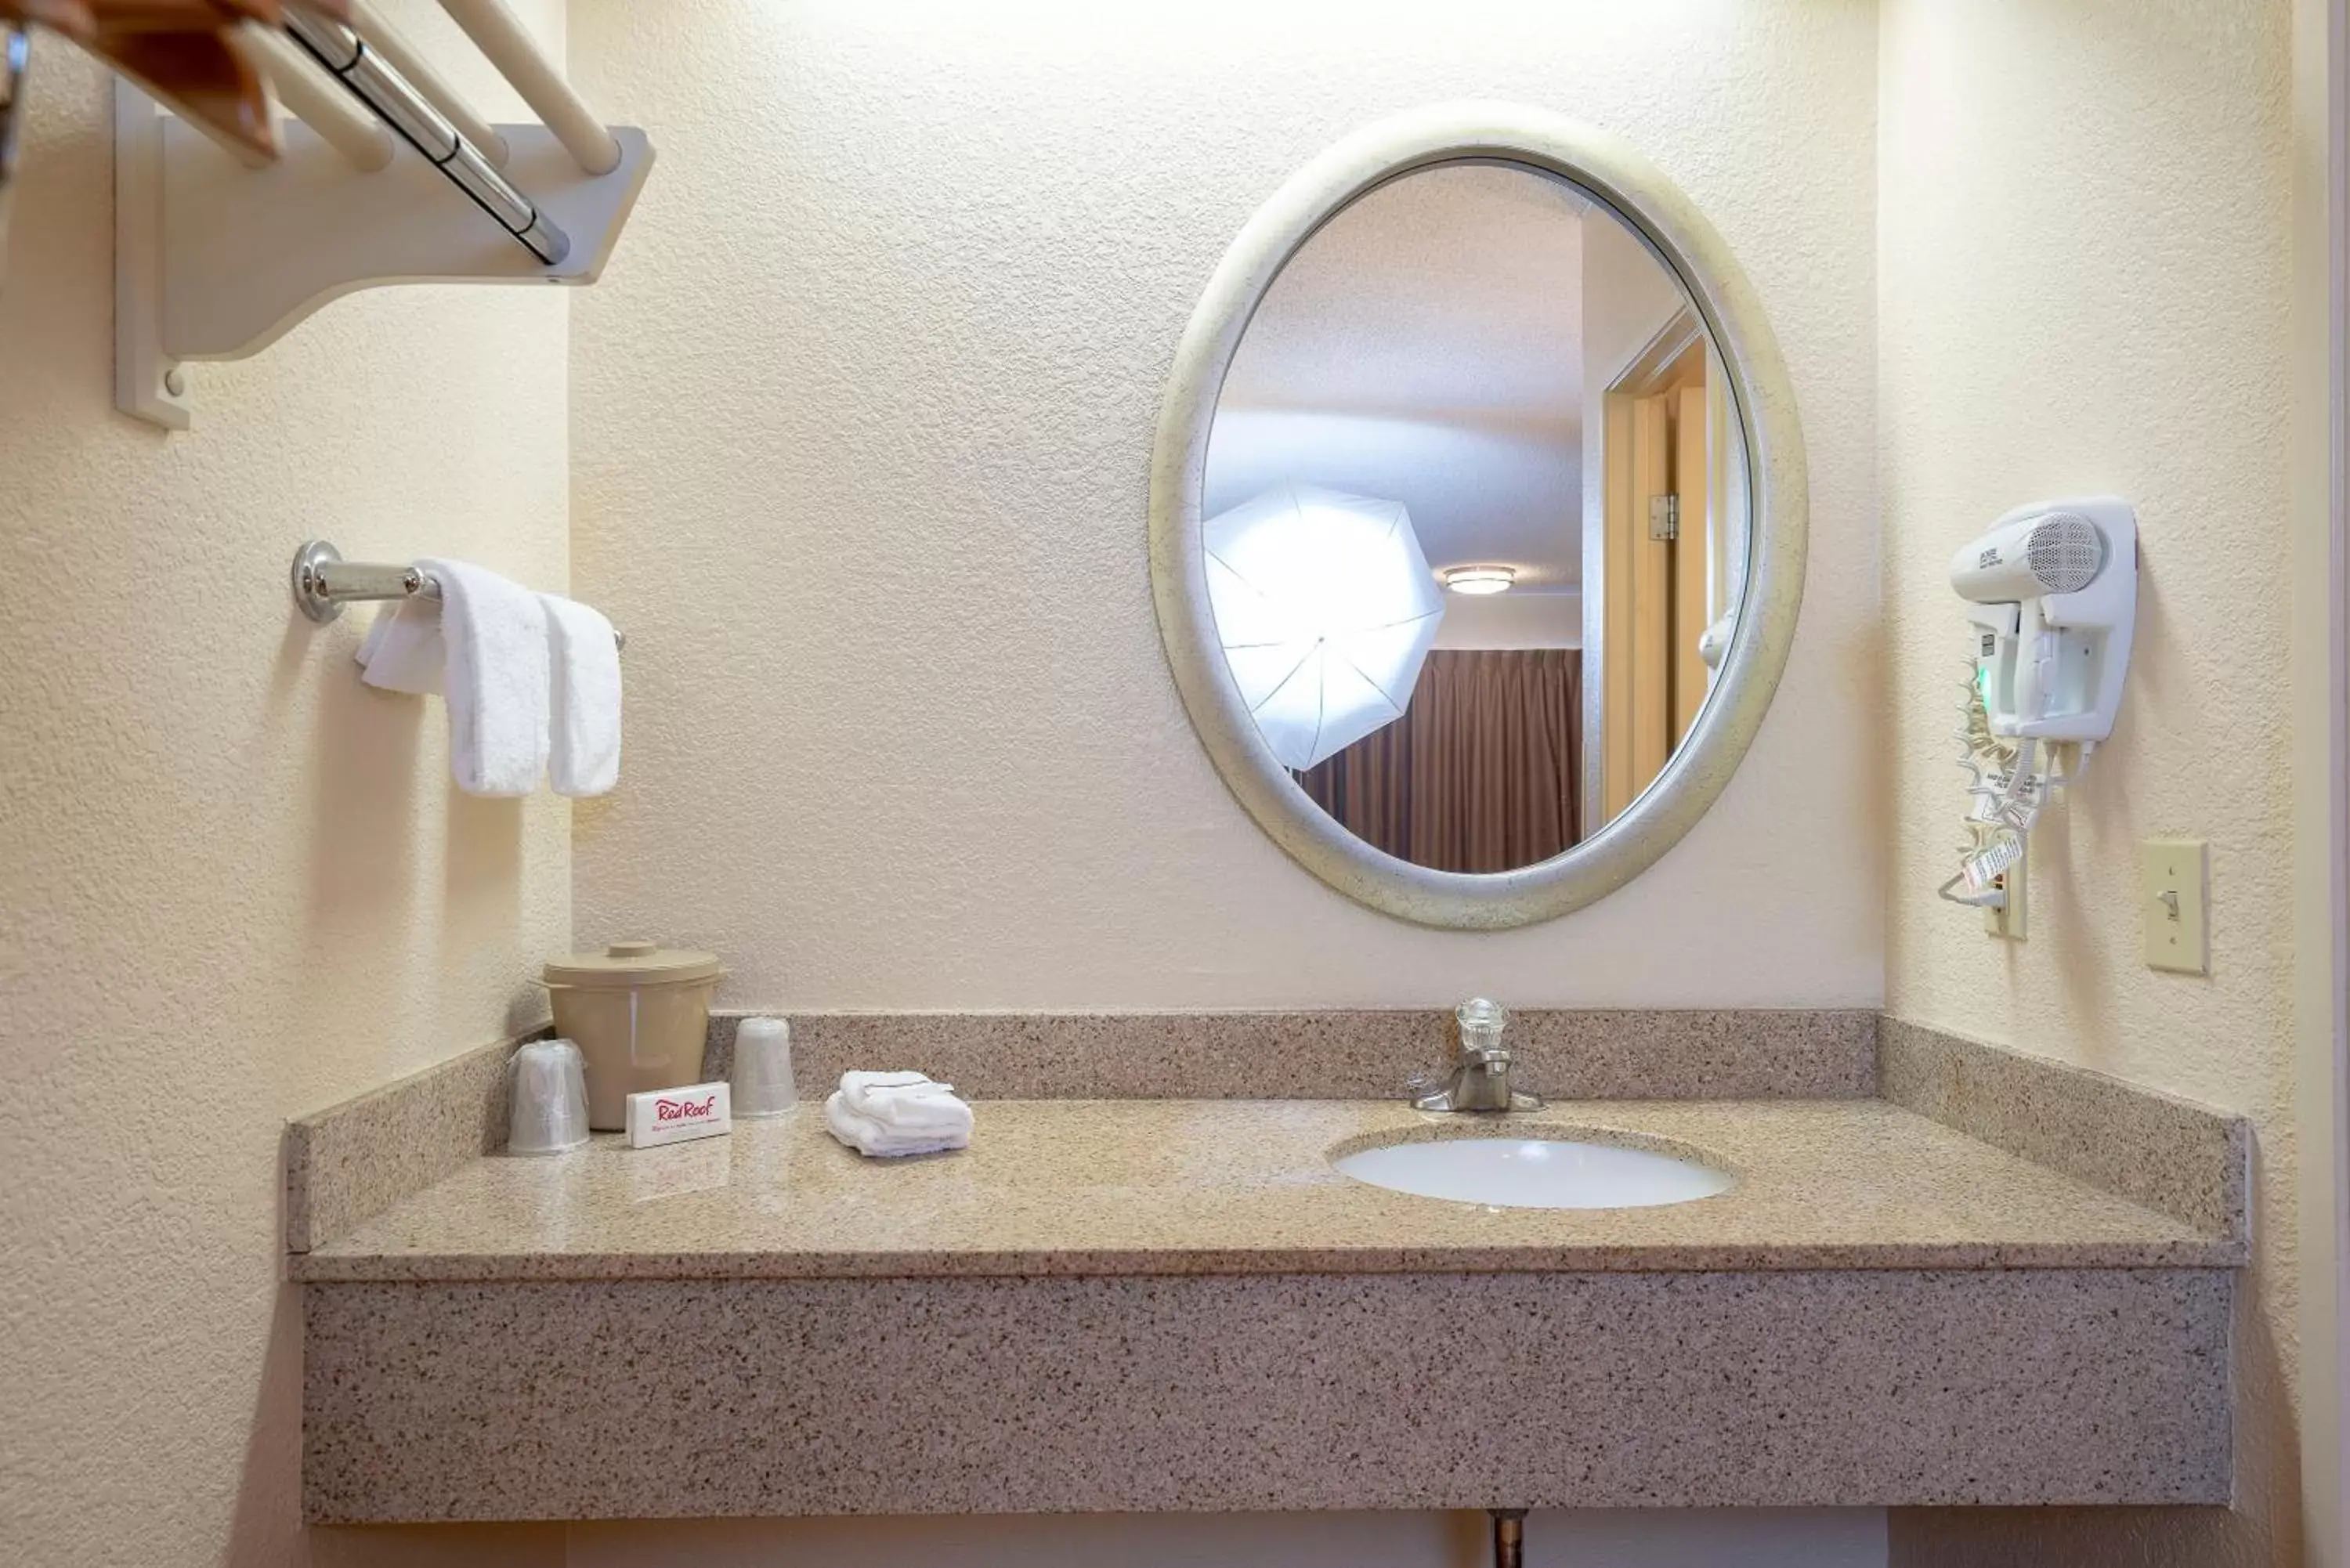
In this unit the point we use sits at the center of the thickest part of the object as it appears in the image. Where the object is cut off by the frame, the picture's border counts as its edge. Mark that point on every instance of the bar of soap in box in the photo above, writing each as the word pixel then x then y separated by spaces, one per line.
pixel 680 1116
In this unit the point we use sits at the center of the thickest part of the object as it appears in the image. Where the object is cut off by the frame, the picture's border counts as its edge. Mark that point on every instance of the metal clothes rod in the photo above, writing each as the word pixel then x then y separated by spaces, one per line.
pixel 382 36
pixel 324 583
pixel 339 117
pixel 372 78
pixel 499 34
pixel 15 58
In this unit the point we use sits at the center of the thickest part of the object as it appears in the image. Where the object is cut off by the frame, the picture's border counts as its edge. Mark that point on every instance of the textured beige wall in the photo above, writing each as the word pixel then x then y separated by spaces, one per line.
pixel 2321 752
pixel 234 884
pixel 2084 286
pixel 863 417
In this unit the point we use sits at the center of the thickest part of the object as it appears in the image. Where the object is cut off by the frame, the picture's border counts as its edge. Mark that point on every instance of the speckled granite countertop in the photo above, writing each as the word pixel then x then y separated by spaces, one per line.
pixel 1231 1187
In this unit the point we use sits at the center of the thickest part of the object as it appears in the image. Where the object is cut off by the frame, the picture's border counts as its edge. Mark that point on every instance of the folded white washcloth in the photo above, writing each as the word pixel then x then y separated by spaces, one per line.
pixel 496 679
pixel 905 1103
pixel 868 1137
pixel 403 651
pixel 584 699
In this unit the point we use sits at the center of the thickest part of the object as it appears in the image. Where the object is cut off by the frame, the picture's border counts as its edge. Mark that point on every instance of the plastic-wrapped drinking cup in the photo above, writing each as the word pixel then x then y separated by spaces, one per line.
pixel 550 1099
pixel 762 1079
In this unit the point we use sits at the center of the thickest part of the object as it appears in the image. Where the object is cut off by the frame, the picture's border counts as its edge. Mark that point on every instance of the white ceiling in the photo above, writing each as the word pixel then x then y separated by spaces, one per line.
pixel 1426 347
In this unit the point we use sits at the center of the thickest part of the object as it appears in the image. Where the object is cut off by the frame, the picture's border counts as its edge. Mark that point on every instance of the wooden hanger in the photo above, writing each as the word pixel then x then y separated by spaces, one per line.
pixel 185 53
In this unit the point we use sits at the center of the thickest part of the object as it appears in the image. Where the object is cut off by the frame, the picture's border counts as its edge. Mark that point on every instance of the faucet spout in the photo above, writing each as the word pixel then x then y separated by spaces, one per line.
pixel 1481 1080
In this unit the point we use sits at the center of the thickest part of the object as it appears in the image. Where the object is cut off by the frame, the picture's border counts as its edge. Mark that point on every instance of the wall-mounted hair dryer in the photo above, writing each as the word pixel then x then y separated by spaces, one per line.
pixel 2053 592
pixel 2055 586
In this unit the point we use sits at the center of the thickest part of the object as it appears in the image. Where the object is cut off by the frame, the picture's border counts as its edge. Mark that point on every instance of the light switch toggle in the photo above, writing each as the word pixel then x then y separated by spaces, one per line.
pixel 2172 874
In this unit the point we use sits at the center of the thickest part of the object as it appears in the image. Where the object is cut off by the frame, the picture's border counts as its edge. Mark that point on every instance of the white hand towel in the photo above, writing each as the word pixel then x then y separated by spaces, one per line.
pixel 872 1093
pixel 403 650
pixel 907 1102
pixel 585 699
pixel 496 679
pixel 870 1138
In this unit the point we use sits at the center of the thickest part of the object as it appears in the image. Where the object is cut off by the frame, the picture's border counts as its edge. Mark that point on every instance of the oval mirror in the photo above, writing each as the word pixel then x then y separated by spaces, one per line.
pixel 1477 516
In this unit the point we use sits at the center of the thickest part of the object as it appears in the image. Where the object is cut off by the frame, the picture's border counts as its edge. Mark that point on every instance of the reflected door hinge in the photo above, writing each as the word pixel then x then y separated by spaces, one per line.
pixel 1663 518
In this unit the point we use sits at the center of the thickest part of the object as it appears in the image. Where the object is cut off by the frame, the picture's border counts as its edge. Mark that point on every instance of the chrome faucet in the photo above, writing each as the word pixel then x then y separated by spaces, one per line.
pixel 1481 1081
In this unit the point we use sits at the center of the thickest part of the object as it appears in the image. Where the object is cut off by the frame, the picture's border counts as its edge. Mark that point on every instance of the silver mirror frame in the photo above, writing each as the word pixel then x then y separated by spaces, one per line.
pixel 1695 776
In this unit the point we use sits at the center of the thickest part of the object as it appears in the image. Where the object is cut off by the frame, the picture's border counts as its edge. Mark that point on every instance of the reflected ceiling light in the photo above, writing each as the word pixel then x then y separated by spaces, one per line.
pixel 1481 579
pixel 1325 608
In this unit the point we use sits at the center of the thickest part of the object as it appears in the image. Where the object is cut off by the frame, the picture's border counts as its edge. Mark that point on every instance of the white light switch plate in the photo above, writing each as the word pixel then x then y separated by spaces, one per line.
pixel 2173 900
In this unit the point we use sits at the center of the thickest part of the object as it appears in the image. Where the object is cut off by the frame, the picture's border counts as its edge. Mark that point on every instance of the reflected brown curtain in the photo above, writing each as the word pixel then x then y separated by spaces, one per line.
pixel 1482 770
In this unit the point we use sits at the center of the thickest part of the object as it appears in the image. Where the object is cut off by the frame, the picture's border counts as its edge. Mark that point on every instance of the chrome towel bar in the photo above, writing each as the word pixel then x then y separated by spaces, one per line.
pixel 324 583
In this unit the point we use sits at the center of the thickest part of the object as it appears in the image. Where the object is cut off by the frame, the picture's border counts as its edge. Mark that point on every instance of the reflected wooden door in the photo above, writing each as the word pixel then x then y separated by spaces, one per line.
pixel 1656 585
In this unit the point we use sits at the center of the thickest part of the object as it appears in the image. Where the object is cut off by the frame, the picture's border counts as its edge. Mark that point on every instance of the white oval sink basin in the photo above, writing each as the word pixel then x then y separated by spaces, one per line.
pixel 1534 1173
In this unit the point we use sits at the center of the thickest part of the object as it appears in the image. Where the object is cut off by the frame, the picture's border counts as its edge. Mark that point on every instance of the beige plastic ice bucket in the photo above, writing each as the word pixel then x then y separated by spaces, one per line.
pixel 639 1014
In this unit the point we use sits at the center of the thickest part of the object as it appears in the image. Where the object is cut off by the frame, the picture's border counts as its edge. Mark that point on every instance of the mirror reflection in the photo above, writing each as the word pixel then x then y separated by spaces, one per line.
pixel 1475 516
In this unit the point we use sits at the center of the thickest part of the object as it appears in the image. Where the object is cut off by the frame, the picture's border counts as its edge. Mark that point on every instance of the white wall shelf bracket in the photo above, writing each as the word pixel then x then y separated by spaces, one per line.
pixel 217 260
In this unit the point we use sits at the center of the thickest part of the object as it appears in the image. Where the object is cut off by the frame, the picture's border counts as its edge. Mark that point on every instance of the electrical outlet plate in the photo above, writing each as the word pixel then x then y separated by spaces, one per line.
pixel 2173 903
pixel 2011 919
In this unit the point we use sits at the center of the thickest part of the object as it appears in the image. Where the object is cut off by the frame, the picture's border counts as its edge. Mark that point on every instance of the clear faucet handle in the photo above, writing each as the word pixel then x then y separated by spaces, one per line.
pixel 1481 1022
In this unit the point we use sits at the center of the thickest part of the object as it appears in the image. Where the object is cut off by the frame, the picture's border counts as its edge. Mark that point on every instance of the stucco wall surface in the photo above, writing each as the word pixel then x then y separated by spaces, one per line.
pixel 234 884
pixel 2085 287
pixel 862 424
